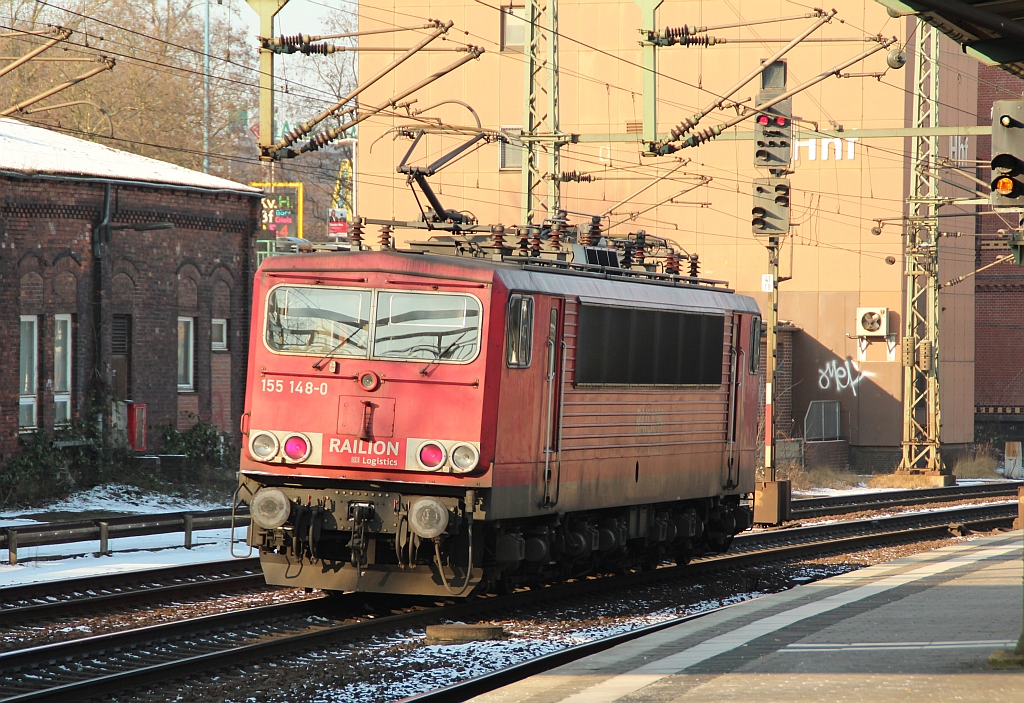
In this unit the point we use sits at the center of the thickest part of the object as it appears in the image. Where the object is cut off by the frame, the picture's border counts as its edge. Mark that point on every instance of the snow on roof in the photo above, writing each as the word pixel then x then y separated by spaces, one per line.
pixel 28 149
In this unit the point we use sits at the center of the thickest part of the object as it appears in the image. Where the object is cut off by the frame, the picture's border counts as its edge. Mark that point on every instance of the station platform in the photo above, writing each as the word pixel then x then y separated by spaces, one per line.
pixel 915 629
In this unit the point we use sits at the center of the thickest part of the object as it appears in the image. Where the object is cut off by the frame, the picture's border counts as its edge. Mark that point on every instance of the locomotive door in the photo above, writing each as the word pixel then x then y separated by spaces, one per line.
pixel 554 372
pixel 737 359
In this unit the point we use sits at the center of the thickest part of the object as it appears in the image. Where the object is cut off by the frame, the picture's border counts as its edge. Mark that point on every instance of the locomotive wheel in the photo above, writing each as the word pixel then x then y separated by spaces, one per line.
pixel 719 543
pixel 505 586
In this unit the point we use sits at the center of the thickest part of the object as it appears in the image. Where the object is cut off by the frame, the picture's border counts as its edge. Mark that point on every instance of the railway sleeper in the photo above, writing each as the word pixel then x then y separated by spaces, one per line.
pixel 374 540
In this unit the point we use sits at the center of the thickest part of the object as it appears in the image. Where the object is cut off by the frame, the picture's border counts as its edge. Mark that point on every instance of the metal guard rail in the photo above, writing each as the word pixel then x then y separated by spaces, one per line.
pixel 103 529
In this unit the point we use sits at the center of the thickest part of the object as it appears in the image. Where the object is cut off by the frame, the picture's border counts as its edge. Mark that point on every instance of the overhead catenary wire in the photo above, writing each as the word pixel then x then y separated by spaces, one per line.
pixel 61 35
pixel 303 129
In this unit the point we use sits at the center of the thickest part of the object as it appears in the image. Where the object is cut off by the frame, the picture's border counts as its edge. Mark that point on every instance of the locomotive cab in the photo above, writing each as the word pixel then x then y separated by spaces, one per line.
pixel 435 425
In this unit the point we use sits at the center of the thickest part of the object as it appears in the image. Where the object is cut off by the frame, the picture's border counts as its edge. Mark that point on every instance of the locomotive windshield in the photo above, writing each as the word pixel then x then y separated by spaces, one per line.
pixel 426 326
pixel 325 321
pixel 321 321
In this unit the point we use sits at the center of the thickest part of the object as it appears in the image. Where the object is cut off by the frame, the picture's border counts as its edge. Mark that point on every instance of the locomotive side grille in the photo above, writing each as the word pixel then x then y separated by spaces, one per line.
pixel 662 419
pixel 643 346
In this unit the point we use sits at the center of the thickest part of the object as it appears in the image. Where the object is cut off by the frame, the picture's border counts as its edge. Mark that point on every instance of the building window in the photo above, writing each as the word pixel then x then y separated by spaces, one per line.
pixel 519 346
pixel 513 28
pixel 219 334
pixel 510 154
pixel 62 354
pixel 28 384
pixel 186 357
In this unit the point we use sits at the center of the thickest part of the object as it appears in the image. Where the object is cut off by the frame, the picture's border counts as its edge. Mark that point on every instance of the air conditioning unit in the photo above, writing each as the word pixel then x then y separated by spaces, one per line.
pixel 872 322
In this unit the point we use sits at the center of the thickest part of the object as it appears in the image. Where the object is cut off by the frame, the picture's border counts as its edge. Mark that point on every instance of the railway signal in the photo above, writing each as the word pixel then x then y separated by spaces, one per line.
pixel 1008 154
pixel 773 136
pixel 771 213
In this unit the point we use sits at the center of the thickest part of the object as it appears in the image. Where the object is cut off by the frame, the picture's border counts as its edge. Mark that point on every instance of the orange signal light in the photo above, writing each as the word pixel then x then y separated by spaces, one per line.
pixel 1004 186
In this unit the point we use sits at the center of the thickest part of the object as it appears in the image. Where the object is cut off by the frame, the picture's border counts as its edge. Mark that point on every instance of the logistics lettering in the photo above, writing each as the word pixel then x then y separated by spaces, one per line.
pixel 377 453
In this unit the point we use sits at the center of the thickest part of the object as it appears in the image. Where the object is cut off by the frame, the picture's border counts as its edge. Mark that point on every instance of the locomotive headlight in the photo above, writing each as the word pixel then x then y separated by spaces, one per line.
pixel 431 455
pixel 270 508
pixel 465 457
pixel 427 517
pixel 264 446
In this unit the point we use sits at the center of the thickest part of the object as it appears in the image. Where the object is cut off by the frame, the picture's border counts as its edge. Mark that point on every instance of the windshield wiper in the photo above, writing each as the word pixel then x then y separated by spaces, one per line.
pixel 423 371
pixel 340 345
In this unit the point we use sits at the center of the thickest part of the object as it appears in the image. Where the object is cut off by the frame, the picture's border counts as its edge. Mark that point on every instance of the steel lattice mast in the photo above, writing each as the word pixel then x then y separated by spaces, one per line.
pixel 920 348
pixel 541 135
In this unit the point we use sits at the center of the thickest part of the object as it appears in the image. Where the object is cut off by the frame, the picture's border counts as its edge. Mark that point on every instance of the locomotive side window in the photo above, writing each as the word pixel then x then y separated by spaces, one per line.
pixel 629 346
pixel 318 320
pixel 519 340
pixel 435 327
pixel 755 345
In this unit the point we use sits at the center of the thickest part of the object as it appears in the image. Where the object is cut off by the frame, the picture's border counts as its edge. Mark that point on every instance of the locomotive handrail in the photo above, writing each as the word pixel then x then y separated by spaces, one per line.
pixel 307 374
pixel 475 383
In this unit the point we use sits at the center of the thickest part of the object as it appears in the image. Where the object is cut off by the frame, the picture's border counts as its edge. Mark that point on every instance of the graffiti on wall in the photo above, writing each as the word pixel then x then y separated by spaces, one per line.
pixel 838 376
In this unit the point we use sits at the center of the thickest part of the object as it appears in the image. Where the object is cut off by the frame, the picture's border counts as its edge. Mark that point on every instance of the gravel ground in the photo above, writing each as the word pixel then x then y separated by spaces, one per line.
pixel 386 668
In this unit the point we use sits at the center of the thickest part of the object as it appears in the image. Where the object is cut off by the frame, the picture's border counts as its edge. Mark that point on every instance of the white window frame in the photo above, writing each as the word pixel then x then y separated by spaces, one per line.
pixel 520 13
pixel 31 399
pixel 505 149
pixel 214 324
pixel 190 347
pixel 62 396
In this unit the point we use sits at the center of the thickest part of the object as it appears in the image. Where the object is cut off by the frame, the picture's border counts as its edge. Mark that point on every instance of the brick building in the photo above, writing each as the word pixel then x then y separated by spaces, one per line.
pixel 121 277
pixel 999 293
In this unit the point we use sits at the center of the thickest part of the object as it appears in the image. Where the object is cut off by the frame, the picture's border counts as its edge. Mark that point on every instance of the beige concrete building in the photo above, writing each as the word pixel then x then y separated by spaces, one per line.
pixel 843 182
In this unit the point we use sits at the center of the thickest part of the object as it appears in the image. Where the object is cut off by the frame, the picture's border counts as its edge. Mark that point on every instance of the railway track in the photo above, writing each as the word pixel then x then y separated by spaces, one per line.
pixel 105 664
pixel 855 502
pixel 126 589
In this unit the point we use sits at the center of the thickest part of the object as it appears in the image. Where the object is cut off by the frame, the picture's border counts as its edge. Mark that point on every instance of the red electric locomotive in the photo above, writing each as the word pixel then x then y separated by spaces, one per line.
pixel 426 424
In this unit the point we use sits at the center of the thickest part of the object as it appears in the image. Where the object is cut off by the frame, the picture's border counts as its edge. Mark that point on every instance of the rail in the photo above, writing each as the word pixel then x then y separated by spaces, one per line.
pixel 837 505
pixel 103 530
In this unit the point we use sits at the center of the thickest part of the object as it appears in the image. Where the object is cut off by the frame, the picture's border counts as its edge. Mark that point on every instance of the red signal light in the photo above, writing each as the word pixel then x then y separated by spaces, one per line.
pixel 296 447
pixel 431 455
pixel 781 121
pixel 763 120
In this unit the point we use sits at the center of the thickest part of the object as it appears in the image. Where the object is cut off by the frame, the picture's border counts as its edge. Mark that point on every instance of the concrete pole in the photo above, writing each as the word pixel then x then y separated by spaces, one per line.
pixel 206 91
pixel 772 362
pixel 266 9
pixel 648 19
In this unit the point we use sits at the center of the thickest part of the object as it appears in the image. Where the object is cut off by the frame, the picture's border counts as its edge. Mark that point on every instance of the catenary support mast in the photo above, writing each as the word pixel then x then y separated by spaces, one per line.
pixel 541 136
pixel 920 345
